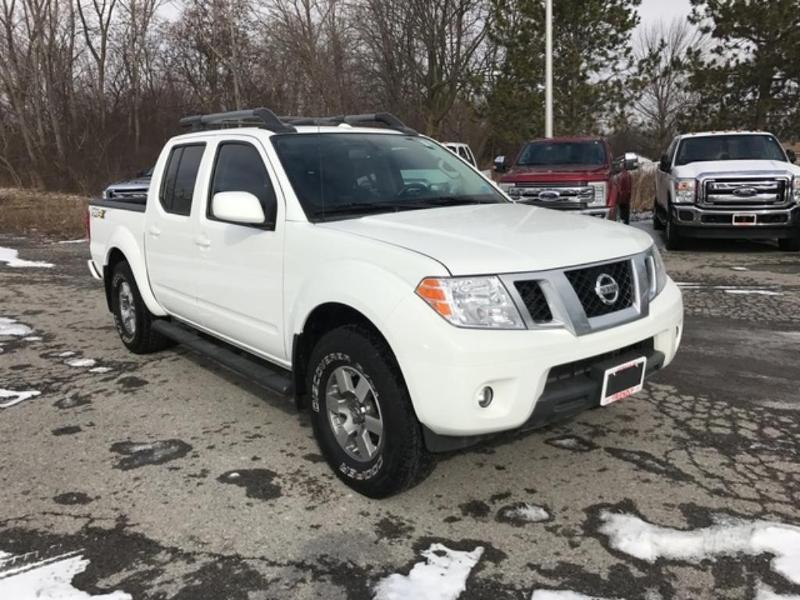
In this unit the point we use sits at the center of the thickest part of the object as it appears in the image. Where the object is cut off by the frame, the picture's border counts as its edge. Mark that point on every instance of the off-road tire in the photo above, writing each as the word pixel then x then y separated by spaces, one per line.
pixel 143 340
pixel 790 244
pixel 401 460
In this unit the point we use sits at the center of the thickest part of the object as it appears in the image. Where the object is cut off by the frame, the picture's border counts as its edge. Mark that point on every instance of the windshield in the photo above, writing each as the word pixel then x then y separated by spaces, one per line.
pixel 729 147
pixel 550 154
pixel 347 175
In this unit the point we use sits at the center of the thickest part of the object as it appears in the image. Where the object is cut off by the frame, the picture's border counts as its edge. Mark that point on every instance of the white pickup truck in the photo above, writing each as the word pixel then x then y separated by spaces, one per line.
pixel 728 184
pixel 383 283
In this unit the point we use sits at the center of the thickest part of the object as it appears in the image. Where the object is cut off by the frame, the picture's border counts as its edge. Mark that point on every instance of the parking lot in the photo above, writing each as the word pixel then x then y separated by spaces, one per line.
pixel 176 479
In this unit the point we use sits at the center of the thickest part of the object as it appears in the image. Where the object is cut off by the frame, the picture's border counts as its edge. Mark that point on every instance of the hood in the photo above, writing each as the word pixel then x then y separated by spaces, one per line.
pixel 500 238
pixel 551 174
pixel 730 168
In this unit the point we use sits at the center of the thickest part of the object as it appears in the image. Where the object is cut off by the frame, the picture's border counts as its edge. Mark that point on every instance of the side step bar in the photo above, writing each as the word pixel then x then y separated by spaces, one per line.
pixel 273 378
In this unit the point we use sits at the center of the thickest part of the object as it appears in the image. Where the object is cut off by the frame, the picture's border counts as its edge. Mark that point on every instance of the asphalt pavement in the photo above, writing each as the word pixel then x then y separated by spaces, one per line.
pixel 166 476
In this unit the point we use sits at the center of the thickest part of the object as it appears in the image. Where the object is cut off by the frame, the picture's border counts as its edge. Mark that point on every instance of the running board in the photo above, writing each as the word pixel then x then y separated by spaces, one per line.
pixel 273 378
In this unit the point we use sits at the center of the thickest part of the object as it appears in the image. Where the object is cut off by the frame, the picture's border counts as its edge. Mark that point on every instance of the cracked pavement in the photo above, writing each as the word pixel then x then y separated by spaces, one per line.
pixel 177 479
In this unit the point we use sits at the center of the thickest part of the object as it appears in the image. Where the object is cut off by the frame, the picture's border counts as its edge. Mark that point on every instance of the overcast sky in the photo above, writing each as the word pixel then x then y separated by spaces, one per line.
pixel 653 11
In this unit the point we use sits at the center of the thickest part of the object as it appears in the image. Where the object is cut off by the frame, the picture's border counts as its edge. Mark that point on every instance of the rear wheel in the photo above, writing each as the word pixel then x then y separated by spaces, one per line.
pixel 131 317
pixel 790 244
pixel 362 415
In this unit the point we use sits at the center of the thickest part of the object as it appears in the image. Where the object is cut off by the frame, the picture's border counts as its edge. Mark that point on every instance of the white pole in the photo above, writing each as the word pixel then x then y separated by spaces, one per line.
pixel 548 86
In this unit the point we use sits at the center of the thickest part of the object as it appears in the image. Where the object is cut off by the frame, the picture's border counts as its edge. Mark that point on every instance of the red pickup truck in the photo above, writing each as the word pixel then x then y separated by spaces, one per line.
pixel 570 173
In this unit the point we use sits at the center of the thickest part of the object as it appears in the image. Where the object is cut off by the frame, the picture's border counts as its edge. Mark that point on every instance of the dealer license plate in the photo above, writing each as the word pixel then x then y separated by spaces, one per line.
pixel 623 380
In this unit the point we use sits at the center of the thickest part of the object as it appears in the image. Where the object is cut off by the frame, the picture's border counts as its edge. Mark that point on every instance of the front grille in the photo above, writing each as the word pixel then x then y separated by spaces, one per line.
pixel 746 193
pixel 585 281
pixel 533 297
pixel 558 194
pixel 584 366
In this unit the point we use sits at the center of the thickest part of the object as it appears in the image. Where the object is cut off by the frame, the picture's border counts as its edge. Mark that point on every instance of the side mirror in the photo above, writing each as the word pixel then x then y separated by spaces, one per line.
pixel 500 164
pixel 792 155
pixel 631 161
pixel 237 207
pixel 664 163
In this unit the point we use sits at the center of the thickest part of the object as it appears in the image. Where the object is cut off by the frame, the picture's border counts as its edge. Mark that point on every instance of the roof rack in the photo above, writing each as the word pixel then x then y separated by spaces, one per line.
pixel 387 119
pixel 266 119
pixel 258 117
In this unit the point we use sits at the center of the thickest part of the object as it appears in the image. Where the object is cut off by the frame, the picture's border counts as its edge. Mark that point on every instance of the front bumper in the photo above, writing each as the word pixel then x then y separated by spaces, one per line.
pixel 446 367
pixel 766 223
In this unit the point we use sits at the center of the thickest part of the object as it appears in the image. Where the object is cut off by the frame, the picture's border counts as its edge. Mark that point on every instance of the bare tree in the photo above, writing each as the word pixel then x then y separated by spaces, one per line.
pixel 662 76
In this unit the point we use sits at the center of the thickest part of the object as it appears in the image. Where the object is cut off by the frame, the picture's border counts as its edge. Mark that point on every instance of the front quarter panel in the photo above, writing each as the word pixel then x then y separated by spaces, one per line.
pixel 326 266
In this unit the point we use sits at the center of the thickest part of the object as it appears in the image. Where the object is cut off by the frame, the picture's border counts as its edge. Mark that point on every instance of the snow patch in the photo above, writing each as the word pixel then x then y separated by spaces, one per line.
pixel 81 362
pixel 22 578
pixel 32 338
pixel 10 257
pixel 443 576
pixel 9 398
pixel 523 513
pixel 764 592
pixel 562 595
pixel 739 269
pixel 100 370
pixel 66 354
pixel 13 327
pixel 636 537
pixel 754 292
pixel 80 241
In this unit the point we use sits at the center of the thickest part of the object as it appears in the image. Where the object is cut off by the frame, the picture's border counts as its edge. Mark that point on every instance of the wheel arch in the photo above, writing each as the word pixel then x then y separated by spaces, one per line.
pixel 322 319
pixel 123 247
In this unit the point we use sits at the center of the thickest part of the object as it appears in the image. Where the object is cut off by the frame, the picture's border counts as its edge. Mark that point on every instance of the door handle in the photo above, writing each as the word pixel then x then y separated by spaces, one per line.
pixel 202 241
pixel 154 231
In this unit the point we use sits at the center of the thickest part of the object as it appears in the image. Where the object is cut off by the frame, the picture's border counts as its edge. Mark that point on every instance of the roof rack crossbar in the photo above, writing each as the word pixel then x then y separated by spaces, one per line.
pixel 387 119
pixel 259 117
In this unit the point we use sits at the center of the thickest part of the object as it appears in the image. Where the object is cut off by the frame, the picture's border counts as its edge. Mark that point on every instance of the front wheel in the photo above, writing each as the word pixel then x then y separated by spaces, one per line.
pixel 673 239
pixel 658 224
pixel 362 415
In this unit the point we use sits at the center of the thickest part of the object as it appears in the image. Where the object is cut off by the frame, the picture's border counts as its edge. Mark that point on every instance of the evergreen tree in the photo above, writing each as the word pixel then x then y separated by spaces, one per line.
pixel 751 76
pixel 591 50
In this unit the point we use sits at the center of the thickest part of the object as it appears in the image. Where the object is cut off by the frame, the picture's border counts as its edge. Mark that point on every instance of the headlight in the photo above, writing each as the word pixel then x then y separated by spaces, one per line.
pixel 796 189
pixel 105 194
pixel 507 187
pixel 685 191
pixel 656 272
pixel 480 302
pixel 600 189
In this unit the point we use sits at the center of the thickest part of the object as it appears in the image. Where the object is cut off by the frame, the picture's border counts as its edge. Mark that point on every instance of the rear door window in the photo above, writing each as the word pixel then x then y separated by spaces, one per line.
pixel 180 177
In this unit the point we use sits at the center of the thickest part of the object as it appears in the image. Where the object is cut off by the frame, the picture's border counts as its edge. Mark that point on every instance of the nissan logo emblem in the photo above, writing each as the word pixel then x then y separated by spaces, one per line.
pixel 607 289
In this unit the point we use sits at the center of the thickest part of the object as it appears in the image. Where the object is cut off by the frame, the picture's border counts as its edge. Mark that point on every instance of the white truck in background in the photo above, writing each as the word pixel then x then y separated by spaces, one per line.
pixel 383 283
pixel 728 184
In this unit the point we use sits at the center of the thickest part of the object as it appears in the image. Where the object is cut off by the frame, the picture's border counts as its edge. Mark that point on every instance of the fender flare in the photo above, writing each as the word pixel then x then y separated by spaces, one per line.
pixel 123 241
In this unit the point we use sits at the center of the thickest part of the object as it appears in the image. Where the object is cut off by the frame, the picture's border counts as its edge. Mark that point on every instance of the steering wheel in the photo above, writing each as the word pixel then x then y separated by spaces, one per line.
pixel 413 189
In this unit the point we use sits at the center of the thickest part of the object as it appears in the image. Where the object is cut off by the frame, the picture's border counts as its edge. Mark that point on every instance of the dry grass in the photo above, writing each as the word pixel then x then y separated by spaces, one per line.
pixel 644 189
pixel 45 213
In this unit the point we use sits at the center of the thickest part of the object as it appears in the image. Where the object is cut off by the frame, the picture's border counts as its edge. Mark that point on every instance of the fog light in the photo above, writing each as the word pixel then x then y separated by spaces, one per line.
pixel 485 397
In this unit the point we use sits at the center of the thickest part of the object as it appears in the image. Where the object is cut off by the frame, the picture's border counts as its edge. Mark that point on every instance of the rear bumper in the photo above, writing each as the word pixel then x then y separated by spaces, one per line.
pixel 771 223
